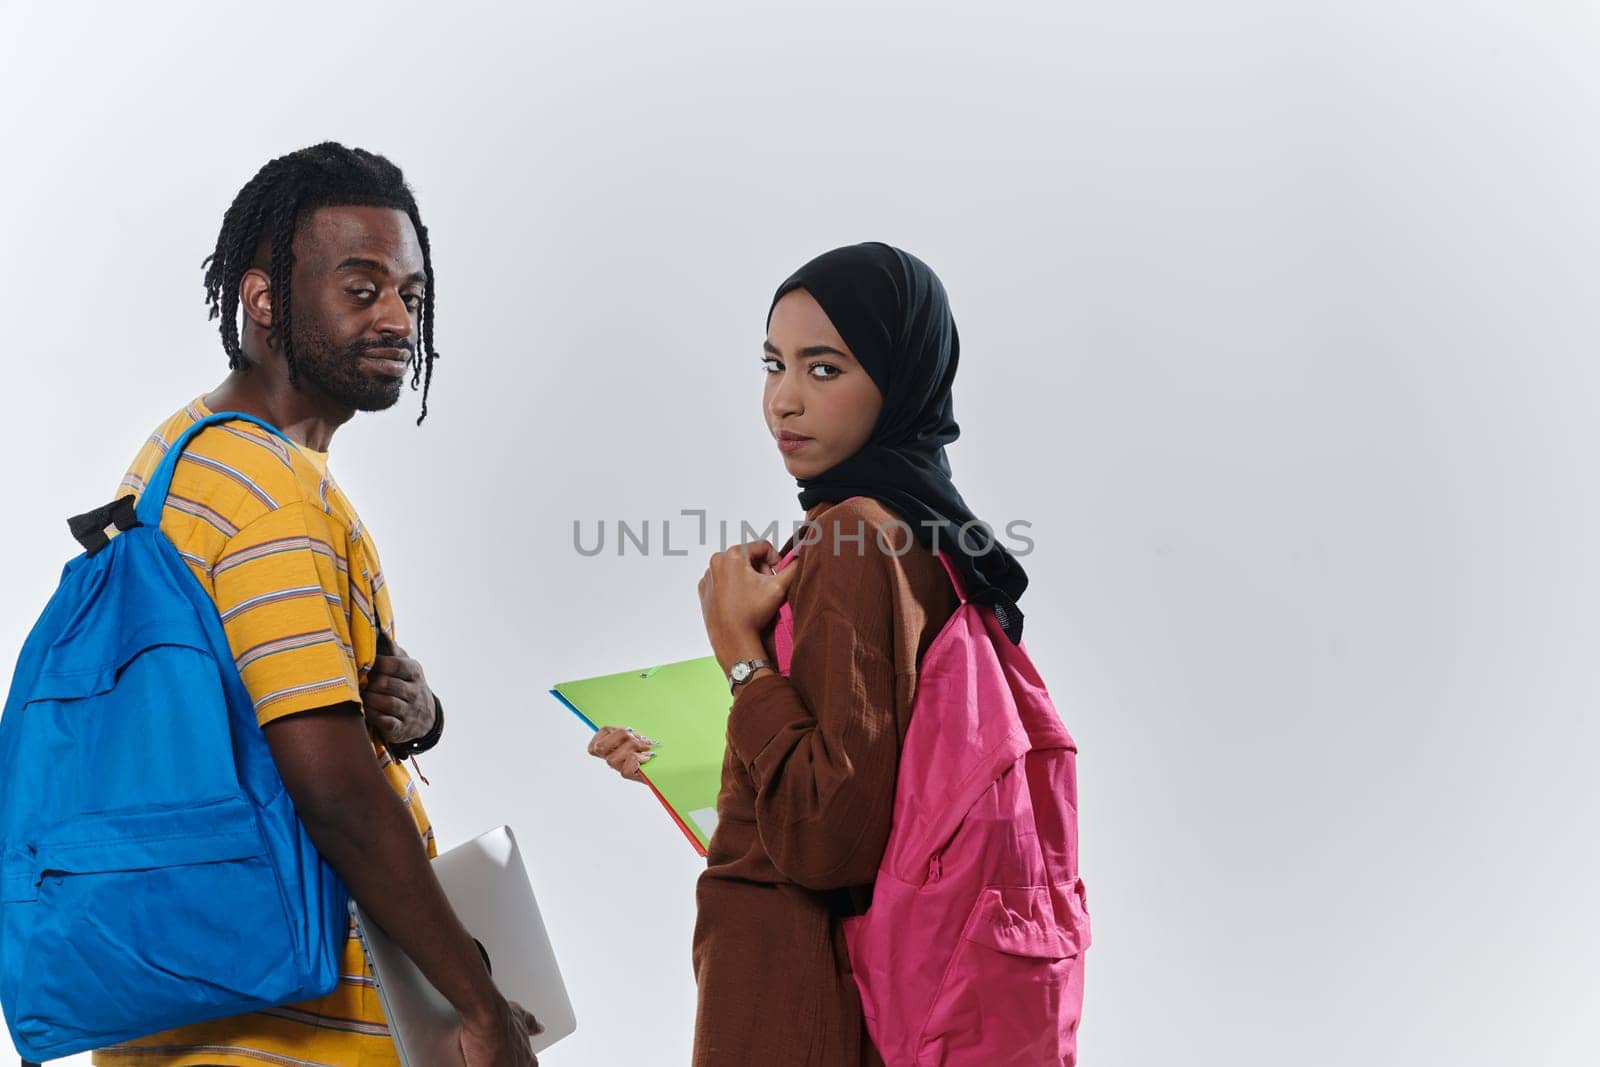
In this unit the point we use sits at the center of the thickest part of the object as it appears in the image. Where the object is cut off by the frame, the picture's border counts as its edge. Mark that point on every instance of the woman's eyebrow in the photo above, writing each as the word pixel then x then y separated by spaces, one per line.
pixel 809 350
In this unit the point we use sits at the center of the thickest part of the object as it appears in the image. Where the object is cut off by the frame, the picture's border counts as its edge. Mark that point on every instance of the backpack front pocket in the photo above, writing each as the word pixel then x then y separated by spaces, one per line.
pixel 1001 1000
pixel 157 918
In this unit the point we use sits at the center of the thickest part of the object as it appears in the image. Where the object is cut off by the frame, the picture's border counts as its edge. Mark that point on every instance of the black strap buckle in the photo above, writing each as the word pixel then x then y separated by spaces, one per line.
pixel 89 529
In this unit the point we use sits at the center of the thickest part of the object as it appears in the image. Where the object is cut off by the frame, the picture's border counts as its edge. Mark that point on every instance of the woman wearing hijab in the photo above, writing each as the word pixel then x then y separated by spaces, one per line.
pixel 860 357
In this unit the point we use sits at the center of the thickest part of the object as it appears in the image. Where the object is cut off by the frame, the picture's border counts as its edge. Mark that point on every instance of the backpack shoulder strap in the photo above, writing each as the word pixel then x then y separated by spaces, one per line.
pixel 154 497
pixel 956 579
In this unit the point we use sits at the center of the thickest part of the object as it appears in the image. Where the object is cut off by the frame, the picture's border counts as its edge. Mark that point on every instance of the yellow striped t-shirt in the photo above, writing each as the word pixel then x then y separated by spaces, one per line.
pixel 295 576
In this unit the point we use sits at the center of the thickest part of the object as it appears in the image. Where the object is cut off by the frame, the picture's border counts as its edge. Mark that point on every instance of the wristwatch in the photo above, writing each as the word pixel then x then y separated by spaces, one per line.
pixel 740 672
pixel 404 750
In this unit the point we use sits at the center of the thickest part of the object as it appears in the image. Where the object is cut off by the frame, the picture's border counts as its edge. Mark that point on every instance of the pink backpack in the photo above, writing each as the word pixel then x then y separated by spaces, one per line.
pixel 972 950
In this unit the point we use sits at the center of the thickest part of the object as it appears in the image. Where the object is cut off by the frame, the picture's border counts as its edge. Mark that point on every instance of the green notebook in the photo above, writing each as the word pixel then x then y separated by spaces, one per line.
pixel 685 707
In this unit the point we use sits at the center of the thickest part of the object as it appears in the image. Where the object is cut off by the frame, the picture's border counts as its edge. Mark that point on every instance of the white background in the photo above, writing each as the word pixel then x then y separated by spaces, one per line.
pixel 1278 326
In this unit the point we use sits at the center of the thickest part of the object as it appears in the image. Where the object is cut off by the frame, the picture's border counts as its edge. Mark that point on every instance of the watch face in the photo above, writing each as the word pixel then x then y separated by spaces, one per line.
pixel 741 671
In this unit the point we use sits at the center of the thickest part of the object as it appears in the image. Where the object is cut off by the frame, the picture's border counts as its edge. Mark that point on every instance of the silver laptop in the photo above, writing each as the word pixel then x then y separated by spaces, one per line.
pixel 488 887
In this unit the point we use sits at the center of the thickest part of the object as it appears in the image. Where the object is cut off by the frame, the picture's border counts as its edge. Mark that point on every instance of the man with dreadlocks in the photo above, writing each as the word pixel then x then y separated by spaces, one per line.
pixel 324 253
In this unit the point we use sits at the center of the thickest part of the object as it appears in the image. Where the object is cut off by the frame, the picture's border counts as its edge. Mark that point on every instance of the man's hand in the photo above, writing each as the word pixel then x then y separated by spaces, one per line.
pixel 396 698
pixel 502 1039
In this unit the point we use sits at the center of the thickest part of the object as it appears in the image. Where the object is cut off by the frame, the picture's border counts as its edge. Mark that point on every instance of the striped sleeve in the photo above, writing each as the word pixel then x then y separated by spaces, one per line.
pixel 280 586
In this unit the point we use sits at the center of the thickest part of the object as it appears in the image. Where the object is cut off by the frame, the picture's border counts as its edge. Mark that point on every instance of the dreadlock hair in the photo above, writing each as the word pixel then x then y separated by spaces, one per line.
pixel 270 207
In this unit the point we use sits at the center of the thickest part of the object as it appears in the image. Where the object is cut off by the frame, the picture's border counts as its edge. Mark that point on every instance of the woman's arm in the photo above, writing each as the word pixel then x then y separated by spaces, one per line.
pixel 823 744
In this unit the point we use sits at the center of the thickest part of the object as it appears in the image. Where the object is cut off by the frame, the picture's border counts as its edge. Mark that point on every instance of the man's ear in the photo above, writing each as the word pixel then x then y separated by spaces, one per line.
pixel 255 296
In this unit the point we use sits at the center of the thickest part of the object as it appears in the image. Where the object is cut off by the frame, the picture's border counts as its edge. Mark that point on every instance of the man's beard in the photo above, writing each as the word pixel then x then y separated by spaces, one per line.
pixel 337 370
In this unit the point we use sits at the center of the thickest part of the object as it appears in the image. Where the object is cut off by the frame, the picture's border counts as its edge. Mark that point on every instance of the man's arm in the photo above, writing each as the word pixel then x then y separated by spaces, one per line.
pixel 364 832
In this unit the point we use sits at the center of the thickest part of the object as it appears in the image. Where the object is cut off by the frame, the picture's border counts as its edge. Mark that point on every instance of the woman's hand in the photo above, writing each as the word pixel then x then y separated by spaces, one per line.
pixel 739 594
pixel 623 749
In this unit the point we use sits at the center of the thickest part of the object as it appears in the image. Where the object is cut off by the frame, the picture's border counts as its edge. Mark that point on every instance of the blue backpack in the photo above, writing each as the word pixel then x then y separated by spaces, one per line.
pixel 153 872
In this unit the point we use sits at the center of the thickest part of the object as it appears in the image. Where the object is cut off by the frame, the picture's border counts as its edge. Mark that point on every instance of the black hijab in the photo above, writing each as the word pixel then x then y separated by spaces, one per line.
pixel 892 312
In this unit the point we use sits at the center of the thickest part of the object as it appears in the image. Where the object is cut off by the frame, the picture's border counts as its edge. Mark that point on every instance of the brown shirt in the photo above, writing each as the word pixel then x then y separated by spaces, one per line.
pixel 807 797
